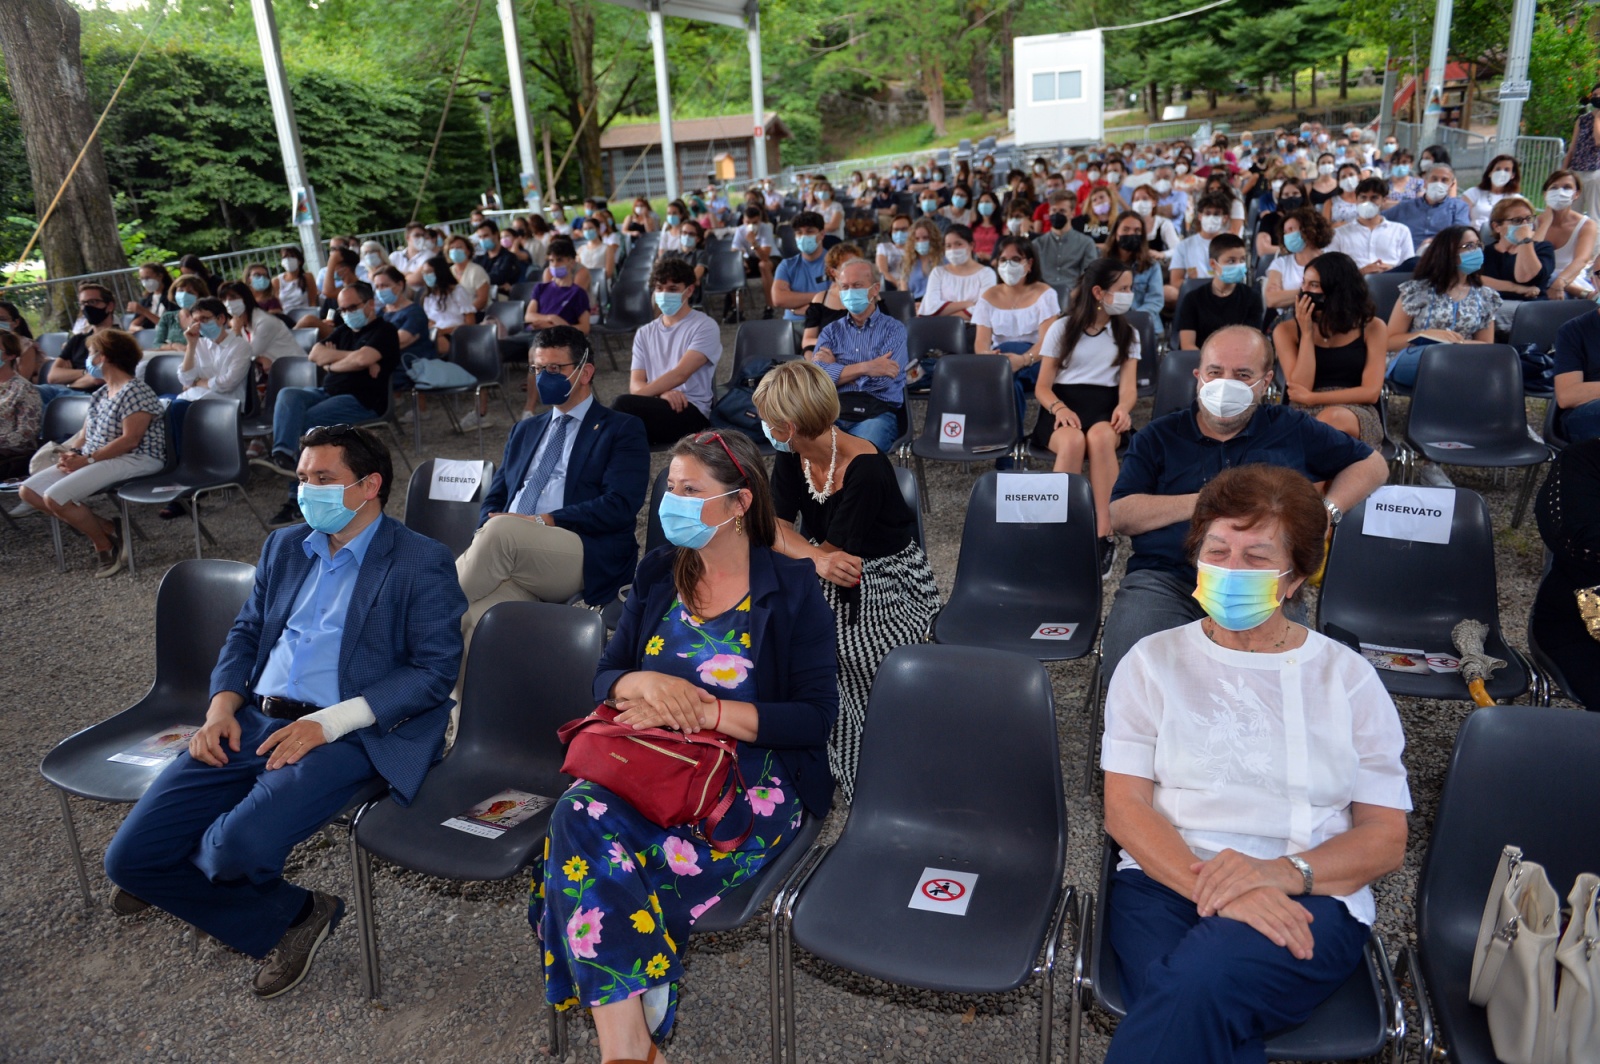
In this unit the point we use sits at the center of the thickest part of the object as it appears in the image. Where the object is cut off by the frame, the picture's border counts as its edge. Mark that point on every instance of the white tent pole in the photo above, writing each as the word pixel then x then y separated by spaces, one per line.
pixel 519 105
pixel 758 103
pixel 294 171
pixel 669 154
pixel 1439 58
pixel 1513 87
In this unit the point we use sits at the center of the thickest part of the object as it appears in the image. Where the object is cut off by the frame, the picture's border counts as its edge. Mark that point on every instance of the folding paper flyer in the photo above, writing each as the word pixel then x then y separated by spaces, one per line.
pixel 159 749
pixel 495 816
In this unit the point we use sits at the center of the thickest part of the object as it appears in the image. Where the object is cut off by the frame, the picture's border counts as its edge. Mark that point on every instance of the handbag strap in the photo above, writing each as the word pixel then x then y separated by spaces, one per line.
pixel 721 809
pixel 1486 958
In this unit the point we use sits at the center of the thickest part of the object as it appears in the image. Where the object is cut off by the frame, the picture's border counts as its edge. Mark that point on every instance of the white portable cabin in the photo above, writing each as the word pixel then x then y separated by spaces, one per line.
pixel 1060 88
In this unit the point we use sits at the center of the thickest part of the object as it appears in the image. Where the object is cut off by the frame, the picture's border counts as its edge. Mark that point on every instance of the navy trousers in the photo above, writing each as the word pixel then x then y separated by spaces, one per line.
pixel 1210 991
pixel 207 844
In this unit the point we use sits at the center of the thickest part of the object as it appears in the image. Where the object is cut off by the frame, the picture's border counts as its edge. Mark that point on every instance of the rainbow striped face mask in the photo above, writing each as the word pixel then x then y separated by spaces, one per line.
pixel 1237 599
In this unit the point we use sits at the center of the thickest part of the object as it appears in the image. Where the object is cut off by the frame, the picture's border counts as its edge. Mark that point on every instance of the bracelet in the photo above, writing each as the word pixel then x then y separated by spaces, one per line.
pixel 718 724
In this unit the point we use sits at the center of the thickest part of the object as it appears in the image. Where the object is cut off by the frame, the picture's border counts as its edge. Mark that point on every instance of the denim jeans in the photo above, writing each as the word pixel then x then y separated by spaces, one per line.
pixel 299 409
pixel 880 431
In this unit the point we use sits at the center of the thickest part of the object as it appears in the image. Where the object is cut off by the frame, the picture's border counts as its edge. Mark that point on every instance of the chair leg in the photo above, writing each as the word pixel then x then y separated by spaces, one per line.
pixel 77 851
pixel 61 553
pixel 922 484
pixel 1093 704
pixel 1522 498
pixel 127 536
pixel 366 918
pixel 400 443
pixel 416 419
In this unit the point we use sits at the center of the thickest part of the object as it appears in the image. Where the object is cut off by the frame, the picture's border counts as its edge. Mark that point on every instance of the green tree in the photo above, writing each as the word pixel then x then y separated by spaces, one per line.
pixel 1563 67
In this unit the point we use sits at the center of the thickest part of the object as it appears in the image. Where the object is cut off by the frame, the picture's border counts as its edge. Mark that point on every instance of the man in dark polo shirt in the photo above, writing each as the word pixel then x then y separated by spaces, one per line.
pixel 1173 457
pixel 357 359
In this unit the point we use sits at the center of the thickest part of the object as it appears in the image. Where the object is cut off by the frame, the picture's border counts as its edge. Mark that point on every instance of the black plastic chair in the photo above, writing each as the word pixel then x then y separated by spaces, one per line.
pixel 1360 1019
pixel 1399 593
pixel 451 523
pixel 933 792
pixel 1385 291
pixel 1554 435
pixel 388 419
pixel 1519 776
pixel 898 304
pixel 512 703
pixel 523 290
pixel 980 387
pixel 908 491
pixel 307 338
pixel 944 334
pixel 147 339
pixel 1144 323
pixel 51 344
pixel 195 607
pixel 64 417
pixel 1472 394
pixel 288 372
pixel 508 313
pixel 772 338
pixel 1536 321
pixel 161 374
pixel 725 277
pixel 1014 579
pixel 1176 384
pixel 212 460
pixel 788 247
pixel 653 535
pixel 476 349
pixel 631 310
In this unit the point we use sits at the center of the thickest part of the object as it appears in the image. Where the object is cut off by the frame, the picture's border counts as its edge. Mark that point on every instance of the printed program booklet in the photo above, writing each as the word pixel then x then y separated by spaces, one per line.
pixel 159 749
pixel 495 816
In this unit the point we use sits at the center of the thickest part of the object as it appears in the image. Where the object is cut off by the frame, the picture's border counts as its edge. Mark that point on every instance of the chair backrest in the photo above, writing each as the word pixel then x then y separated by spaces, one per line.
pixel 1385 291
pixel 307 338
pixel 290 372
pixel 726 273
pixel 51 344
pixel 446 520
pixel 476 349
pixel 1188 286
pixel 213 450
pixel 196 605
pixel 980 387
pixel 898 303
pixel 64 417
pixel 1552 431
pixel 926 772
pixel 1394 592
pixel 1536 321
pixel 530 671
pixel 161 374
pixel 945 334
pixel 523 290
pixel 908 491
pixel 1467 392
pixel 147 339
pixel 653 535
pixel 1175 382
pixel 1518 775
pixel 788 248
pixel 631 306
pixel 1144 324
pixel 757 339
pixel 509 314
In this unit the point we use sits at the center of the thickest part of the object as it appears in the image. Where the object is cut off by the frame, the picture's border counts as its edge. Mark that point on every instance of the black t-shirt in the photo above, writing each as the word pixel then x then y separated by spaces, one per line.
pixel 502 267
pixel 1205 312
pixel 819 315
pixel 1502 266
pixel 371 392
pixel 1097 232
pixel 867 516
pixel 76 350
pixel 884 200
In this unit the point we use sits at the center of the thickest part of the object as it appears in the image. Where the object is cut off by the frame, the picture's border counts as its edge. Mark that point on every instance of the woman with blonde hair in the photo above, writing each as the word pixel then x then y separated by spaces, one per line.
pixel 858 532
pixel 922 257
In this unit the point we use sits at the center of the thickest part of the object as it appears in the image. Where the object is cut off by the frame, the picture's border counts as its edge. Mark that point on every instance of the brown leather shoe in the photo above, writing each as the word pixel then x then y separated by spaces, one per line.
pixel 290 961
pixel 125 904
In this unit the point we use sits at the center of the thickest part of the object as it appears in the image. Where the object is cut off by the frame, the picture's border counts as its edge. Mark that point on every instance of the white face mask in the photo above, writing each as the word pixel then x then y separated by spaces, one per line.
pixel 1113 177
pixel 1349 184
pixel 1226 398
pixel 151 284
pixel 957 256
pixel 1014 226
pixel 1500 178
pixel 1325 169
pixel 1437 191
pixel 1012 272
pixel 1560 198
pixel 235 307
pixel 1211 223
pixel 1143 208
pixel 1118 303
pixel 1163 186
pixel 1182 168
pixel 1367 210
pixel 289 265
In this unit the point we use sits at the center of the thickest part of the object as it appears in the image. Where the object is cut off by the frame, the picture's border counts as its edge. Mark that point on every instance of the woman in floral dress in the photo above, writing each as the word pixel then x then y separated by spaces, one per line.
pixel 720 632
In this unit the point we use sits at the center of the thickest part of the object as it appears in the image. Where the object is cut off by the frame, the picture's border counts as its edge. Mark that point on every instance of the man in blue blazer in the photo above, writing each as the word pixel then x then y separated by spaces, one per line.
pixel 335 676
pixel 560 515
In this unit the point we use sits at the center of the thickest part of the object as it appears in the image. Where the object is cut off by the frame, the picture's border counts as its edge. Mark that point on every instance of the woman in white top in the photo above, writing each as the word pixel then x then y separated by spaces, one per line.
pixel 1254 784
pixel 1305 234
pixel 891 253
pixel 1340 209
pixel 269 338
pixel 293 286
pixel 832 213
pixel 1089 382
pixel 1162 235
pixel 672 232
pixel 954 287
pixel 447 304
pixel 1501 178
pixel 468 274
pixel 960 211
pixel 598 257
pixel 1012 317
pixel 1570 233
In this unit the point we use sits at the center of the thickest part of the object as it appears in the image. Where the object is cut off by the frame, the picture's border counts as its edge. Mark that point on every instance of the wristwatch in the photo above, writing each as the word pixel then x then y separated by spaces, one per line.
pixel 1335 515
pixel 1305 872
pixel 538 519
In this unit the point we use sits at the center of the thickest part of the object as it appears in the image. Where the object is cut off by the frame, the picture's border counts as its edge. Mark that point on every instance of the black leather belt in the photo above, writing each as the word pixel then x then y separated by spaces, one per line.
pixel 285 708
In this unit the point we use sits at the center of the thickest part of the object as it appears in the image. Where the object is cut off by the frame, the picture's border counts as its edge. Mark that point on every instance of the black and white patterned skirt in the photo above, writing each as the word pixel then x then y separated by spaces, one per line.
pixel 892 606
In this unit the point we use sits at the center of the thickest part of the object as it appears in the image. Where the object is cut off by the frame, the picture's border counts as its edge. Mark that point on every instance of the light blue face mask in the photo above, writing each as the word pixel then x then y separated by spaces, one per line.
pixel 356 319
pixel 899 237
pixel 322 505
pixel 458 255
pixel 97 370
pixel 1294 243
pixel 210 330
pixel 680 520
pixel 855 300
pixel 986 208
pixel 185 300
pixel 1234 273
pixel 808 244
pixel 669 302
pixel 777 444
pixel 430 279
pixel 1472 261
pixel 386 297
pixel 260 282
pixel 958 202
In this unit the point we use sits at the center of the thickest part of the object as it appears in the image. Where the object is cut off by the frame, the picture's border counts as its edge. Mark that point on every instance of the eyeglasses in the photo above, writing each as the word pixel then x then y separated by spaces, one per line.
pixel 1472 247
pixel 551 367
pixel 1523 220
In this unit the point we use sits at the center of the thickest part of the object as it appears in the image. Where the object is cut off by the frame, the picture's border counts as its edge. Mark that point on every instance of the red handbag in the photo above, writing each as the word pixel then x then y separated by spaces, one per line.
pixel 670 777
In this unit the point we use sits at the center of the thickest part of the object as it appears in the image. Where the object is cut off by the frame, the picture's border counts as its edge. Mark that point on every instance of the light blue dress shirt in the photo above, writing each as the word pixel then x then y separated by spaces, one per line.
pixel 304 663
pixel 554 495
pixel 852 343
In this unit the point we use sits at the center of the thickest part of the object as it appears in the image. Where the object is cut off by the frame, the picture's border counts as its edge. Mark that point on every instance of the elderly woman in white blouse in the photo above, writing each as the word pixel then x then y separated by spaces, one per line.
pixel 1253 782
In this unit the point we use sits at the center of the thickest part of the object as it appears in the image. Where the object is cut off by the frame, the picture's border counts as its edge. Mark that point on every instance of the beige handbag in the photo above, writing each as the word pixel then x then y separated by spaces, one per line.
pixel 1518 962
pixel 45 458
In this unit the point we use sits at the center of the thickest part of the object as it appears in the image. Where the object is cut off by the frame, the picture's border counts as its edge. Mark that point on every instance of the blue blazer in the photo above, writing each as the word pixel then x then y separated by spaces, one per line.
pixel 401 647
pixel 608 476
pixel 797 673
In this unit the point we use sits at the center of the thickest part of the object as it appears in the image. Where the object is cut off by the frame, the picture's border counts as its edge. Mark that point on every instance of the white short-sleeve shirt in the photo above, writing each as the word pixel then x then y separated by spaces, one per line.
pixel 1020 324
pixel 658 348
pixel 1093 360
pixel 1259 753
pixel 449 311
pixel 946 287
pixel 1194 253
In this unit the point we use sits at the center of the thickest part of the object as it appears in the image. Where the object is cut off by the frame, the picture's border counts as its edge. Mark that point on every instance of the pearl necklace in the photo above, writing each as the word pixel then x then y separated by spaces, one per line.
pixel 833 463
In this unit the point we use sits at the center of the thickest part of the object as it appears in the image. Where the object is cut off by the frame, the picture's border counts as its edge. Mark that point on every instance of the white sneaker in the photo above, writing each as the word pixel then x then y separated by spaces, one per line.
pixel 22 509
pixel 1434 476
pixel 474 420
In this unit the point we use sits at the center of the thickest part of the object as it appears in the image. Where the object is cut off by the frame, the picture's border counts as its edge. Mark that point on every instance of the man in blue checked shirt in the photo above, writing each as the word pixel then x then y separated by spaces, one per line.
pixel 865 354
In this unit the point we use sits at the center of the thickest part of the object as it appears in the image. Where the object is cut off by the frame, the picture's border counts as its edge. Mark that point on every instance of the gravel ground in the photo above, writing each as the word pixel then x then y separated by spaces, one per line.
pixel 461 975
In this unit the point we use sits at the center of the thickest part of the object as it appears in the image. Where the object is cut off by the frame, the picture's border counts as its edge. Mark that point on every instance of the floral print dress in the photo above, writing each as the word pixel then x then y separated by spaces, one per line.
pixel 617 895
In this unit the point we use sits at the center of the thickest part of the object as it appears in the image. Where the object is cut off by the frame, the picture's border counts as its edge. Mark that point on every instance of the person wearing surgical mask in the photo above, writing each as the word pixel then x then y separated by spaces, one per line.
pixel 1403 184
pixel 827 205
pixel 675 359
pixel 184 294
pixel 269 339
pixel 826 307
pixel 258 278
pixel 394 304
pixel 802 275
pixel 1515 264
pixel 1376 244
pixel 1013 316
pixel 1228 299
pixel 1325 182
pixel 1254 787
pixel 154 281
pixel 956 285
pixel 474 279
pixel 409 257
pixel 1438 208
pixel 924 253
pixel 641 219
pixel 1163 240
pixel 1570 232
pixel 961 210
pixel 1171 459
pixel 863 352
pixel 1501 178
pixel 1340 208
pixel 1095 221
pixel 1305 234
pixel 493 255
pixel 1192 259
pixel 216 366
pixel 890 253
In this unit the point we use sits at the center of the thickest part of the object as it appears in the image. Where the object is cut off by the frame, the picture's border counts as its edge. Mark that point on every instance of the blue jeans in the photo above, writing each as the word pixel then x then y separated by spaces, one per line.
pixel 299 409
pixel 1208 991
pixel 207 844
pixel 50 392
pixel 1581 422
pixel 880 431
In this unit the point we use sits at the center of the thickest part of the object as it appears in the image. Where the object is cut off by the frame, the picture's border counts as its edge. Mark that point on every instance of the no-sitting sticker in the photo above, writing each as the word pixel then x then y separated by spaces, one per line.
pixel 940 890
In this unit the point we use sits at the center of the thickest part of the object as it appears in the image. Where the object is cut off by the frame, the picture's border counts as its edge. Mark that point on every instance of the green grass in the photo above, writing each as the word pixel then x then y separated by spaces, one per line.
pixel 1242 113
pixel 906 140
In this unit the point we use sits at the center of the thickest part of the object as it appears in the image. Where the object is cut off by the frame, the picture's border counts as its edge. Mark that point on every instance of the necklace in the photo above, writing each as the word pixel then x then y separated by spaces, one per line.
pixel 1209 628
pixel 833 463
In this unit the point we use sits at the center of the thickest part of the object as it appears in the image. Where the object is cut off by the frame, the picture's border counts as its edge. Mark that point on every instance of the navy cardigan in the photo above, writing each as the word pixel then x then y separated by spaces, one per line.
pixel 796 670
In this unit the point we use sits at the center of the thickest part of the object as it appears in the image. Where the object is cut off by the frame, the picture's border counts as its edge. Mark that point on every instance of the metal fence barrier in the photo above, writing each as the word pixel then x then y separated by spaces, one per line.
pixel 1538 158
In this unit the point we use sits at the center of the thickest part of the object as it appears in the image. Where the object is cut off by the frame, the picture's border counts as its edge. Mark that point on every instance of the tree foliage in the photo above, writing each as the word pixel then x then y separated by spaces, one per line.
pixel 1563 67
